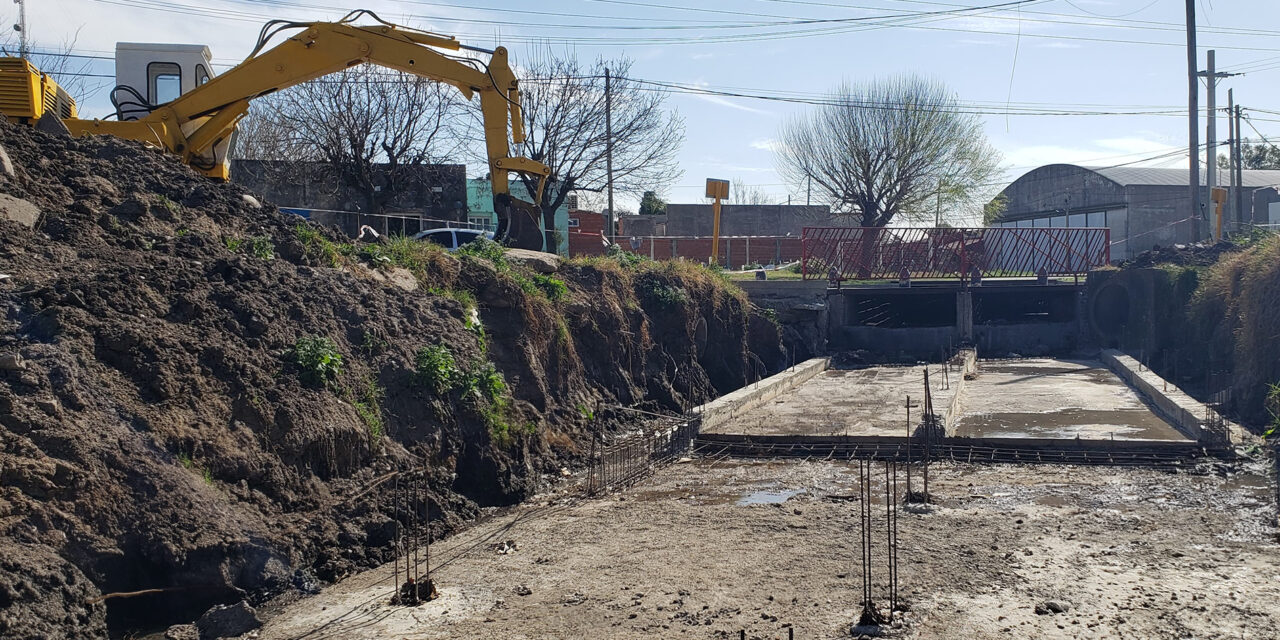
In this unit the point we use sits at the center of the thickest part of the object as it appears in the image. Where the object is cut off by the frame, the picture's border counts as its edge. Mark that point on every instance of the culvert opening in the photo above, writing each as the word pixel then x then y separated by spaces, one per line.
pixel 899 310
pixel 1025 306
pixel 1110 313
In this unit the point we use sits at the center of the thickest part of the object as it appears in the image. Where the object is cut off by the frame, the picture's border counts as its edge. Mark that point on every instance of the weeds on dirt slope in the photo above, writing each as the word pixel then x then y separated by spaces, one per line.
pixel 1237 306
pixel 135 338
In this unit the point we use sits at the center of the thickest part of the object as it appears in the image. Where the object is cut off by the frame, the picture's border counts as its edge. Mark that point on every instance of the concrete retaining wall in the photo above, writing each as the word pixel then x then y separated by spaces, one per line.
pixel 1185 413
pixel 731 405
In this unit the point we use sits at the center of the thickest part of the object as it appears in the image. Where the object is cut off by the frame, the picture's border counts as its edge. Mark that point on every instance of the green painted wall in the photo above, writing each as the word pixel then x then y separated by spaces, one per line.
pixel 480 205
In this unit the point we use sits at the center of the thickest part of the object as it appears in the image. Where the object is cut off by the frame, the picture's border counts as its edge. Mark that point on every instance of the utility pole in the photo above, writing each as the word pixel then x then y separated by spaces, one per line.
pixel 21 28
pixel 608 154
pixel 1211 127
pixel 1235 115
pixel 808 192
pixel 1211 137
pixel 1232 135
pixel 1193 109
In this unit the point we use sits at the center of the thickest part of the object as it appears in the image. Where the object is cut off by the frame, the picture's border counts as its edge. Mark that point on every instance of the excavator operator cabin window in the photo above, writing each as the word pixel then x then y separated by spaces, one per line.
pixel 164 81
pixel 202 75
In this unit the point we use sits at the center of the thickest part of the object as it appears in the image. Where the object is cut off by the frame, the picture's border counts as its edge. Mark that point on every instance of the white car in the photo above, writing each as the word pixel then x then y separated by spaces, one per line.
pixel 451 239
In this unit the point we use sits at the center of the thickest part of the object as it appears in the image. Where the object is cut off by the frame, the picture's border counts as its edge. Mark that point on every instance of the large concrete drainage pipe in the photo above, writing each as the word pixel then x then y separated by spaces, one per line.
pixel 1109 312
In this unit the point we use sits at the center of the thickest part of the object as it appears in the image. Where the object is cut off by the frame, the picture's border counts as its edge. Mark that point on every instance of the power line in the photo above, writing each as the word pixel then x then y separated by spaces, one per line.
pixel 232 14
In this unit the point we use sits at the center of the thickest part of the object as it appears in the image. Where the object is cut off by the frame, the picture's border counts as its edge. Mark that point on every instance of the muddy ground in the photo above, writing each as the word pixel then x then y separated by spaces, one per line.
pixel 707 550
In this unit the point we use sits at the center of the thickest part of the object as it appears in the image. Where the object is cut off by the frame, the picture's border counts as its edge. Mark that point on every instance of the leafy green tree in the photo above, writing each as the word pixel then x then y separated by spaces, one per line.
pixel 652 205
pixel 1255 155
pixel 994 209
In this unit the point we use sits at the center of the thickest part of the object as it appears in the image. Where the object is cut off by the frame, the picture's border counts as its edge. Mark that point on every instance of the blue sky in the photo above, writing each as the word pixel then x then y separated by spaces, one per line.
pixel 1042 56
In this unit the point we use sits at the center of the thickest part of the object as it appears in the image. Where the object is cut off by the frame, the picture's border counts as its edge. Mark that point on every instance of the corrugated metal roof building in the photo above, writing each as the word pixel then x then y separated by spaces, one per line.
pixel 1144 207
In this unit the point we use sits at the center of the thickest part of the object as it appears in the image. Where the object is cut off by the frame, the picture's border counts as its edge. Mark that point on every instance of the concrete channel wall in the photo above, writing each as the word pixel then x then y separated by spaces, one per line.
pixel 1185 413
pixel 736 403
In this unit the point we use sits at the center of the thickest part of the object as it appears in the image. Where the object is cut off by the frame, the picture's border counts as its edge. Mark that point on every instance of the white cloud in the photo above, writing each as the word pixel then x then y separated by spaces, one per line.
pixel 765 144
pixel 1101 152
pixel 725 102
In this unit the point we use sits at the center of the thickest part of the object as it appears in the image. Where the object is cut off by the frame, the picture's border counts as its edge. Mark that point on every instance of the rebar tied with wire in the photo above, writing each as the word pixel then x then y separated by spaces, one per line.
pixel 411 508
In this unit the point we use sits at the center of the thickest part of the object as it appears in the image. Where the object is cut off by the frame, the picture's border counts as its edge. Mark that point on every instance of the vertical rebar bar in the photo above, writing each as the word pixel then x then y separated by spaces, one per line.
pixel 894 589
pixel 888 530
pixel 395 538
pixel 862 532
pixel 426 551
pixel 413 528
pixel 928 419
pixel 908 447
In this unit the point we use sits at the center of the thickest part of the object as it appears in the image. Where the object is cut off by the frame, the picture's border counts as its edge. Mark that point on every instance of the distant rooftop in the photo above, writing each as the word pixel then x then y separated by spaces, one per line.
pixel 1173 177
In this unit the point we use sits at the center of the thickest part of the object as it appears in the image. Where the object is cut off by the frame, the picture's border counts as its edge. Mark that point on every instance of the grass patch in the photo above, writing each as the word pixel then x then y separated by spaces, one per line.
pixel 436 368
pixel 665 294
pixel 368 405
pixel 260 247
pixel 402 251
pixel 624 258
pixel 320 248
pixel 318 359
pixel 232 244
pixel 164 201
pixel 775 274
pixel 463 296
pixel 191 465
pixel 553 288
pixel 487 249
pixel 481 386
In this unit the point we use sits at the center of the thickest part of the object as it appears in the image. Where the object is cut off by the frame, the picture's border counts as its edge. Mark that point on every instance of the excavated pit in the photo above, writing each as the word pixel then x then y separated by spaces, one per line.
pixel 155 432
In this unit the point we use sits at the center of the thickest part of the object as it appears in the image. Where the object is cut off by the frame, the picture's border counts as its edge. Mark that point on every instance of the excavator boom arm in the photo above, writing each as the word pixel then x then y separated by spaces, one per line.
pixel 195 122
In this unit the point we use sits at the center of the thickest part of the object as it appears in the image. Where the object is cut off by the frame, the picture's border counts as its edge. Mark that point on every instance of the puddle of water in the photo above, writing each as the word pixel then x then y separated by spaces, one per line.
pixel 690 495
pixel 1128 424
pixel 1251 484
pixel 1055 501
pixel 769 496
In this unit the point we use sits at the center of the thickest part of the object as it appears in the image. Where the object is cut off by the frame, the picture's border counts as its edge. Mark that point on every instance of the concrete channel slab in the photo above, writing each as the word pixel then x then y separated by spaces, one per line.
pixel 1056 399
pixel 854 402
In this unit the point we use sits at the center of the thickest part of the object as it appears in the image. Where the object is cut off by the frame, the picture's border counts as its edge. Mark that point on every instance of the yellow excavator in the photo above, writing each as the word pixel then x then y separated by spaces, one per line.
pixel 192 113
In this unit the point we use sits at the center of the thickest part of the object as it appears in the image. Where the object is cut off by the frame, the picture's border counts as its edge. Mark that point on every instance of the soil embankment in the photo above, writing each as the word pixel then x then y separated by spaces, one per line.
pixel 1204 317
pixel 198 394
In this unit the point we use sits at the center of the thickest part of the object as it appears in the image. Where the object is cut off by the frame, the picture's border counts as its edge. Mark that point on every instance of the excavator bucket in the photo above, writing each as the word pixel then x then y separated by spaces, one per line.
pixel 519 223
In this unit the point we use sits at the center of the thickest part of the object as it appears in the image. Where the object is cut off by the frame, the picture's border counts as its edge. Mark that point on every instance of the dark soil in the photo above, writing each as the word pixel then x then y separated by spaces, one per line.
pixel 156 434
pixel 1186 255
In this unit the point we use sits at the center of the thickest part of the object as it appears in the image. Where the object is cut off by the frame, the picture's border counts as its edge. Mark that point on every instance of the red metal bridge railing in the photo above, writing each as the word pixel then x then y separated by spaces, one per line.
pixel 882 253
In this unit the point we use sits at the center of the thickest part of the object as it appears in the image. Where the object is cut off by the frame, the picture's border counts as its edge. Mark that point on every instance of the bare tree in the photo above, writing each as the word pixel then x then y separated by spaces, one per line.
pixel 372 130
pixel 742 193
pixel 564 107
pixel 897 148
pixel 72 72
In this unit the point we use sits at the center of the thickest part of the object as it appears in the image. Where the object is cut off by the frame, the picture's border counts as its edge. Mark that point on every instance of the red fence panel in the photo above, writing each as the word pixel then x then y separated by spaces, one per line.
pixel 882 253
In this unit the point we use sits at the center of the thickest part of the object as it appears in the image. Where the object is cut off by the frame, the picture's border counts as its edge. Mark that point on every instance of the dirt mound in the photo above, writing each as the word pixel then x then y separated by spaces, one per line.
pixel 199 394
pixel 1183 255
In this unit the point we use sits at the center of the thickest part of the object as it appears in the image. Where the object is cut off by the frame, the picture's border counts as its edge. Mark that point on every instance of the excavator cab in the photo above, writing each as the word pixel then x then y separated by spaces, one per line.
pixel 151 74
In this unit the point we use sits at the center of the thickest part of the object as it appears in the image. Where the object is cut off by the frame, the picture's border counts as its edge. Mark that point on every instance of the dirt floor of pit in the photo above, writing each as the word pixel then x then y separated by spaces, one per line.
pixel 706 550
